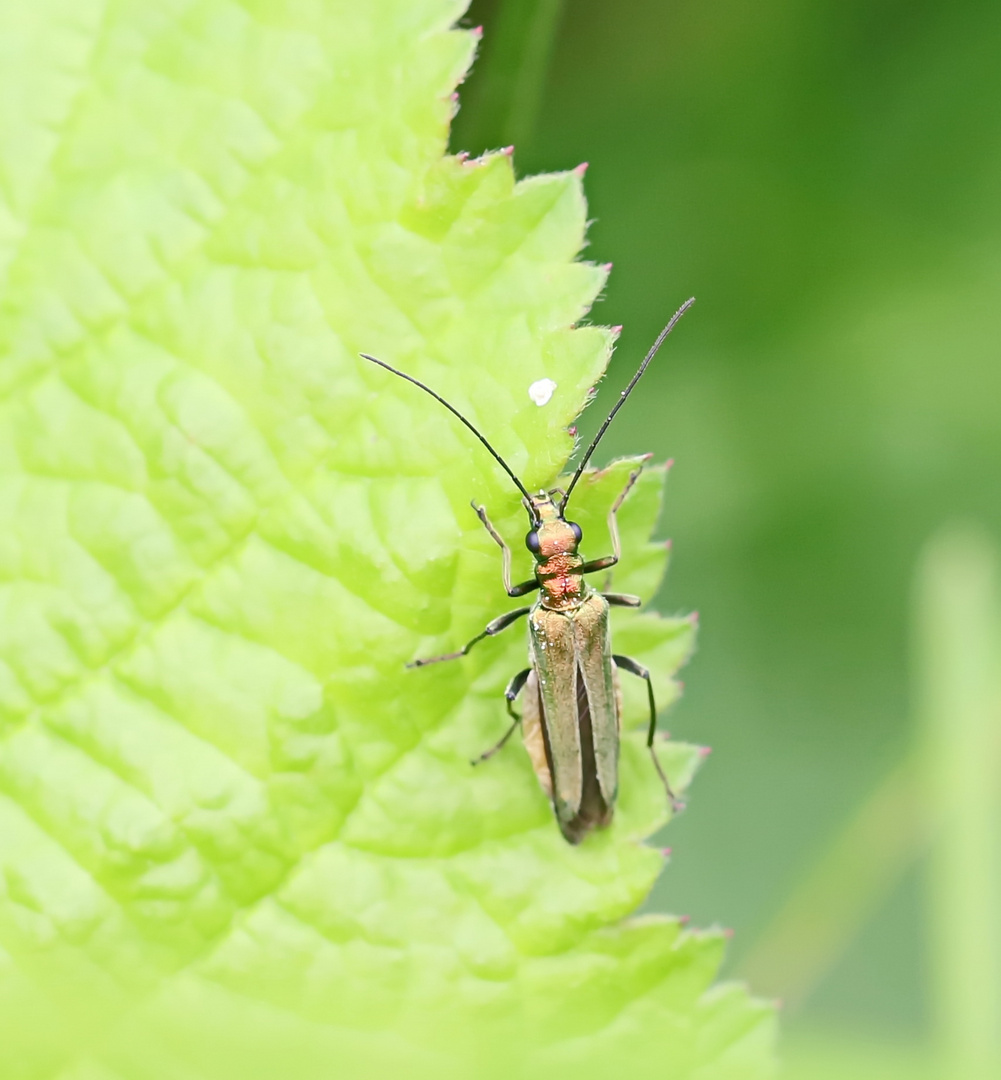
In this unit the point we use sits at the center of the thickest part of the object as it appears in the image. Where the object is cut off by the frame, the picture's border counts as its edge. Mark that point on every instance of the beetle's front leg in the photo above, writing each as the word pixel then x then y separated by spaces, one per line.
pixel 502 622
pixel 512 590
pixel 613 526
pixel 514 688
pixel 630 665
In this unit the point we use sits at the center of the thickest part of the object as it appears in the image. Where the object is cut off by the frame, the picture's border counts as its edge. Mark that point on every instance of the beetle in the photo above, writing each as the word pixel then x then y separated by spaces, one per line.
pixel 571 704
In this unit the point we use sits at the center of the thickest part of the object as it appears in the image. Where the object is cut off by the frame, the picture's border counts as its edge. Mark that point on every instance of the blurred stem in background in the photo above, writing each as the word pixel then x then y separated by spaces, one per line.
pixel 943 801
pixel 958 632
pixel 832 903
pixel 506 97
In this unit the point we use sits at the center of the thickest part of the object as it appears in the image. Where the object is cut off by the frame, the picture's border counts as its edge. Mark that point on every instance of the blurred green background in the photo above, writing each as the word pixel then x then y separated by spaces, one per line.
pixel 824 178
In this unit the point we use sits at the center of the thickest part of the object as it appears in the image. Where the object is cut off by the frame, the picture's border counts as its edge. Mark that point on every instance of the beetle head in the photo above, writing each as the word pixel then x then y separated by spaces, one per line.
pixel 550 533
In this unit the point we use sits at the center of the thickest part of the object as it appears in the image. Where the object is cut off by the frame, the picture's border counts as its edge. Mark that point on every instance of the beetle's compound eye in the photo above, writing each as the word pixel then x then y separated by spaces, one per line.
pixel 576 530
pixel 532 542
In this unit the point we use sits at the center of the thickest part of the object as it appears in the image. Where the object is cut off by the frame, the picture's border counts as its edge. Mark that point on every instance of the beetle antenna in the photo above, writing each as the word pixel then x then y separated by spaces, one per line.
pixel 455 412
pixel 622 397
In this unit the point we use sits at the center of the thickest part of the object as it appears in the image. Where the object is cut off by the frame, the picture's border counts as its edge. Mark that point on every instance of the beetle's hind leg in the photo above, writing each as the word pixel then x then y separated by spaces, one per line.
pixel 630 665
pixel 514 688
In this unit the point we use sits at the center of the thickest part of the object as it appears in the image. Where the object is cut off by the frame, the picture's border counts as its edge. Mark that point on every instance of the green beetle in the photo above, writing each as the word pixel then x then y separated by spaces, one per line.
pixel 572 708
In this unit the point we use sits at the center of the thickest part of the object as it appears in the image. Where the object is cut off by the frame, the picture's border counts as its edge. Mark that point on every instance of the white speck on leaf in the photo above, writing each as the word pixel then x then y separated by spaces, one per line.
pixel 541 391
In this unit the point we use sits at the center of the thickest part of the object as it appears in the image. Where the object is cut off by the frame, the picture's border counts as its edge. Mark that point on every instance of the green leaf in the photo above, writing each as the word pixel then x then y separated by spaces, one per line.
pixel 236 836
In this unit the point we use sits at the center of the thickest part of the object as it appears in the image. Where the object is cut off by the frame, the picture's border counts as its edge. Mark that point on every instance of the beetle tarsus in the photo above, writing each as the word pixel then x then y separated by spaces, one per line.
pixel 487 754
pixel 677 805
pixel 424 661
pixel 514 688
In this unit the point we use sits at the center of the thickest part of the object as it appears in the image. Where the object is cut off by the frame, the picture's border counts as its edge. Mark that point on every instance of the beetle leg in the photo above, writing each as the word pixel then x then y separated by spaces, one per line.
pixel 613 528
pixel 617 599
pixel 495 627
pixel 633 668
pixel 514 688
pixel 523 587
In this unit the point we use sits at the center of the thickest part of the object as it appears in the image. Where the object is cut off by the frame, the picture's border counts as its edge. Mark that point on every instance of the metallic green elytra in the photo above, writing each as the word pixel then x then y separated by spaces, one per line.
pixel 572 709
